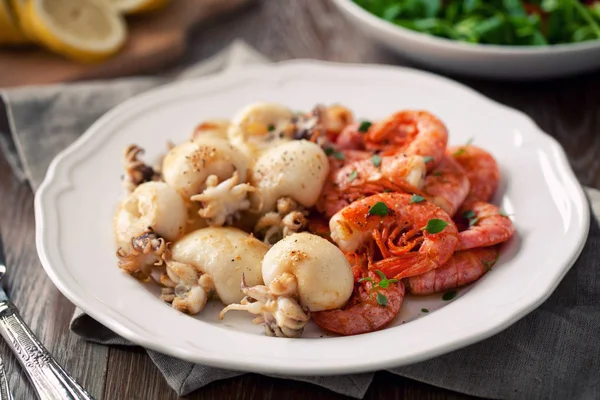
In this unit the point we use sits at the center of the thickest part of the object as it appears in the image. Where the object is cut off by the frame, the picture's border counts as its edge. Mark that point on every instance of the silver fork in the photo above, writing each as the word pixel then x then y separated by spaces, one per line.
pixel 49 379
pixel 5 393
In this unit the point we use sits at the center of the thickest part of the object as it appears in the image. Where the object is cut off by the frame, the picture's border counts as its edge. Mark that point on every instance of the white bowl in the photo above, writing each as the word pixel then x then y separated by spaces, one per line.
pixel 487 61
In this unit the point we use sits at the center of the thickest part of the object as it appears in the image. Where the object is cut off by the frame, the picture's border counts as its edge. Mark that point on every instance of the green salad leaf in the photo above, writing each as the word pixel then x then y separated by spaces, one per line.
pixel 498 22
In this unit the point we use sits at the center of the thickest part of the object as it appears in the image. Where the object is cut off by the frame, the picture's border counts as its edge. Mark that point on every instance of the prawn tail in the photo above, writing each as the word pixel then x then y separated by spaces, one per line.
pixel 404 265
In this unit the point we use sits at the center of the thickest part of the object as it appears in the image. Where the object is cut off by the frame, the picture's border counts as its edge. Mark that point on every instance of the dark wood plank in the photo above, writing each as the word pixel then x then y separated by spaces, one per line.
pixel 42 306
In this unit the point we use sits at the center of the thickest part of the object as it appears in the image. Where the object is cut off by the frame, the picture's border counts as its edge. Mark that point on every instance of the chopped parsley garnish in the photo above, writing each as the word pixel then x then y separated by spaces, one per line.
pixel 384 283
pixel 339 155
pixel 449 295
pixel 427 159
pixel 352 176
pixel 437 173
pixel 379 208
pixel 489 264
pixel 503 213
pixel 364 126
pixel 381 299
pixel 376 160
pixel 435 225
pixel 271 128
pixel 415 198
pixel 470 216
pixel 424 310
pixel 329 151
pixel 462 149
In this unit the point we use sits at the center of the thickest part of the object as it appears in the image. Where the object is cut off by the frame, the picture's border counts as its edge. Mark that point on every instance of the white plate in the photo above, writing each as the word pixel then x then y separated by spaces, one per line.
pixel 75 205
pixel 490 61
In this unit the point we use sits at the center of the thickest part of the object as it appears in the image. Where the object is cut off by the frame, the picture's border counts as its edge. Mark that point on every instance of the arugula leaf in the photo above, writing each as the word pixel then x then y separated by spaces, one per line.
pixel 499 22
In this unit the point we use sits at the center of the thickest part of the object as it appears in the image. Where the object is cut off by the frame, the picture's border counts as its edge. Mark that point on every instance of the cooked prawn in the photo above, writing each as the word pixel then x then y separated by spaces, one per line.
pixel 362 313
pixel 463 268
pixel 398 227
pixel 447 186
pixel 487 226
pixel 409 132
pixel 481 169
pixel 366 177
pixel 350 138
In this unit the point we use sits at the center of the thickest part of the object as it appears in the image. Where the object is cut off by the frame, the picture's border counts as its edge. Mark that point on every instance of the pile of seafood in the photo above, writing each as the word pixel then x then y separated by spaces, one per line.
pixel 293 216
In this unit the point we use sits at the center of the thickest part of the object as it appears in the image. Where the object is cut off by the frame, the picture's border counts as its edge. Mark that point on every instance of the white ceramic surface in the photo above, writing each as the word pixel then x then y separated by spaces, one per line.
pixel 488 61
pixel 75 205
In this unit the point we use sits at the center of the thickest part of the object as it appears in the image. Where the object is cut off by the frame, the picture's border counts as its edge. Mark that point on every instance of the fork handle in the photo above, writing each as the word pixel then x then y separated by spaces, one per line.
pixel 49 379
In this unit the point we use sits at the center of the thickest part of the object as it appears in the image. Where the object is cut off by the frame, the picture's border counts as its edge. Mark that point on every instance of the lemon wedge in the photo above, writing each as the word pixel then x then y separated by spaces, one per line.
pixel 83 30
pixel 10 33
pixel 137 6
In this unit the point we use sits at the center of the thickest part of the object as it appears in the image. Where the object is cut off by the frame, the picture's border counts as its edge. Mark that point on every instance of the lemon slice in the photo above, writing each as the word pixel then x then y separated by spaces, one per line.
pixel 83 30
pixel 10 33
pixel 137 6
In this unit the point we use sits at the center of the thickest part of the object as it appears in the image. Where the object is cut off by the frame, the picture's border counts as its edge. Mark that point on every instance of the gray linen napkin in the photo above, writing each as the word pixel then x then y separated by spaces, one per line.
pixel 554 352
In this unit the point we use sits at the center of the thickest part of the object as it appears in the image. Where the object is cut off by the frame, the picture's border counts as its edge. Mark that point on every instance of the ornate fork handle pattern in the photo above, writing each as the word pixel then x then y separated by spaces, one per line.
pixel 49 379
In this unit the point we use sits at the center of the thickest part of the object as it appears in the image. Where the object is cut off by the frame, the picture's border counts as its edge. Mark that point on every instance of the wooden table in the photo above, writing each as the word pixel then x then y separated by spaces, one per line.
pixel 568 109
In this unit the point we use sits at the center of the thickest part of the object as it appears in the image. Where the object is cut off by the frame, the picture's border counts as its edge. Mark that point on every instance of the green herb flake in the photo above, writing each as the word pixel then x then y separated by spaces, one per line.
pixel 387 191
pixel 468 214
pixel 364 126
pixel 376 160
pixel 503 213
pixel 415 198
pixel 352 176
pixel 427 159
pixel 462 150
pixel 381 300
pixel 380 274
pixel 489 264
pixel 437 173
pixel 473 221
pixel 424 310
pixel 367 278
pixel 271 128
pixel 435 225
pixel 449 295
pixel 328 151
pixel 379 208
pixel 338 155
